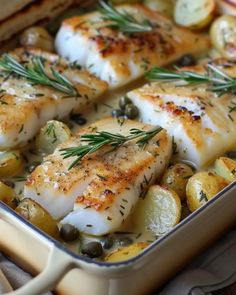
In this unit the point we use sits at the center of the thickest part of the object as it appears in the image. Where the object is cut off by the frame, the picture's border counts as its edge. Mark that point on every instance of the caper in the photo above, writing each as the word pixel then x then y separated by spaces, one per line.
pixel 107 242
pixel 124 241
pixel 116 113
pixel 131 111
pixel 92 249
pixel 186 60
pixel 78 119
pixel 231 154
pixel 124 100
pixel 69 233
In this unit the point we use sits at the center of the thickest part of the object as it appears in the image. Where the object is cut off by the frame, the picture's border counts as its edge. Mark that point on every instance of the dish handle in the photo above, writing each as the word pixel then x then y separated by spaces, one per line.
pixel 57 266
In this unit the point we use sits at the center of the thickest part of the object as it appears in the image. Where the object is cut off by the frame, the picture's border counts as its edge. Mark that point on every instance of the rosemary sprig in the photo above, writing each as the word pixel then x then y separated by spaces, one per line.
pixel 217 80
pixel 96 141
pixel 51 132
pixel 232 107
pixel 122 21
pixel 37 75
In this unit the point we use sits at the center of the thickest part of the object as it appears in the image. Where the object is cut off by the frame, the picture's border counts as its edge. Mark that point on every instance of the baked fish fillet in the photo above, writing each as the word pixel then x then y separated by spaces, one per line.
pixel 103 189
pixel 120 58
pixel 202 124
pixel 24 107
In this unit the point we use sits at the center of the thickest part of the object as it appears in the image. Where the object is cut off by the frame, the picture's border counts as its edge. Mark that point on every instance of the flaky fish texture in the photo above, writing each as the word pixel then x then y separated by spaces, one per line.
pixel 120 58
pixel 25 107
pixel 104 187
pixel 201 123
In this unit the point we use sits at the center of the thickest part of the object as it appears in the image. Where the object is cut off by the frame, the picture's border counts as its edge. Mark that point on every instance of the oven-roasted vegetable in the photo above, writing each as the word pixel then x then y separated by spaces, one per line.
pixel 202 187
pixel 126 253
pixel 194 14
pixel 8 195
pixel 38 216
pixel 226 168
pixel 223 36
pixel 37 37
pixel 176 177
pixel 53 133
pixel 159 211
pixel 11 163
pixel 166 7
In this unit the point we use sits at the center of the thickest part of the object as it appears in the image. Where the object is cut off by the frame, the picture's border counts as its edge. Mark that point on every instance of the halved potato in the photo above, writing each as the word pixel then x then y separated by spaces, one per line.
pixel 202 187
pixel 159 211
pixel 50 135
pixel 176 177
pixel 8 195
pixel 226 168
pixel 194 14
pixel 38 216
pixel 165 7
pixel 223 36
pixel 126 253
pixel 11 163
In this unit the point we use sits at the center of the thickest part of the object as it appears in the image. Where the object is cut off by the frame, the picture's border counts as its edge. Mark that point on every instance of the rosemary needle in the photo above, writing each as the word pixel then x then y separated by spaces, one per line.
pixel 122 20
pixel 218 81
pixel 37 75
pixel 96 141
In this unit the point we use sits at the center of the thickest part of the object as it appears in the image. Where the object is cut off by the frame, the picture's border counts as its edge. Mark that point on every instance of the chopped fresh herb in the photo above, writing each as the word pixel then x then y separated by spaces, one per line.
pixel 174 146
pixel 203 196
pixel 50 131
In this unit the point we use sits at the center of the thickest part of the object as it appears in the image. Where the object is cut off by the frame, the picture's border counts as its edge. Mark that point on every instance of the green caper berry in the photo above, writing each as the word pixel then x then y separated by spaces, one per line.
pixel 124 241
pixel 131 111
pixel 92 249
pixel 124 100
pixel 69 233
pixel 117 113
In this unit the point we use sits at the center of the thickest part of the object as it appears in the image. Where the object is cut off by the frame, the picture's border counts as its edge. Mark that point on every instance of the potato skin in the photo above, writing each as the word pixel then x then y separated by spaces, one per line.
pixel 226 168
pixel 202 187
pixel 176 177
pixel 38 216
pixel 11 163
pixel 126 253
pixel 8 195
pixel 223 36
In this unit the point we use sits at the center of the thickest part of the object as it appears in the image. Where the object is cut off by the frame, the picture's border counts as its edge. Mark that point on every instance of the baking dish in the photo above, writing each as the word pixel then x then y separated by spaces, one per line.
pixel 69 273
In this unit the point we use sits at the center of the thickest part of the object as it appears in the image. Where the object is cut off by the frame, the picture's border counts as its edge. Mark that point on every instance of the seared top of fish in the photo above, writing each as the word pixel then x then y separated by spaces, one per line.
pixel 25 106
pixel 119 58
pixel 202 123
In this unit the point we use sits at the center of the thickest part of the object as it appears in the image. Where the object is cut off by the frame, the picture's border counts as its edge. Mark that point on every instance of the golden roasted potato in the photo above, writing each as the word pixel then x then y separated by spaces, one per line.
pixel 176 177
pixel 11 163
pixel 203 186
pixel 165 7
pixel 50 135
pixel 226 168
pixel 223 36
pixel 126 253
pixel 38 216
pixel 8 195
pixel 194 14
pixel 37 37
pixel 159 211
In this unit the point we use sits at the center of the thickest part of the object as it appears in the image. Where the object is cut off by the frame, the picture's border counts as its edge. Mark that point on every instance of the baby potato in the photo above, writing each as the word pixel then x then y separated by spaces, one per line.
pixel 223 36
pixel 38 216
pixel 176 177
pixel 126 253
pixel 50 135
pixel 202 187
pixel 158 212
pixel 194 14
pixel 37 37
pixel 8 195
pixel 11 163
pixel 226 168
pixel 165 7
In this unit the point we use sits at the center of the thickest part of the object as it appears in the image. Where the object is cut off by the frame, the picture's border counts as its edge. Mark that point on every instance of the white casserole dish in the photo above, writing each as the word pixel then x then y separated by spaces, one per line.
pixel 36 252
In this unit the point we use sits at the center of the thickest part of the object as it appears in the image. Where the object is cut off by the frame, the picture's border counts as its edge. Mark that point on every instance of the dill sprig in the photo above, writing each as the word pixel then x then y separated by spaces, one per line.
pixel 96 141
pixel 122 21
pixel 218 81
pixel 36 74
